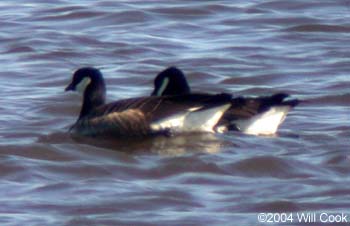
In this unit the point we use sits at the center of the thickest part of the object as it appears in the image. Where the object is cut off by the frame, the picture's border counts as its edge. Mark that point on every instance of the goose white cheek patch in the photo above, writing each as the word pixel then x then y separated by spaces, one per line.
pixel 83 84
pixel 163 87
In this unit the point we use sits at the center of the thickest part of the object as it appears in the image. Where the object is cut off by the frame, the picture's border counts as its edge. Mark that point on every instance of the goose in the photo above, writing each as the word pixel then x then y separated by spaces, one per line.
pixel 250 115
pixel 142 116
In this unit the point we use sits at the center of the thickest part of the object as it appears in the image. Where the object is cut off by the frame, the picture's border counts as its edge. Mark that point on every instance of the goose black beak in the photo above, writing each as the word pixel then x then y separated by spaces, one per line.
pixel 70 87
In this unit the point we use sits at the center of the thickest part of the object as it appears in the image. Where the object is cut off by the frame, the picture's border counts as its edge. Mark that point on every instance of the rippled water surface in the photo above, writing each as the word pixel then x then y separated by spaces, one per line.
pixel 243 47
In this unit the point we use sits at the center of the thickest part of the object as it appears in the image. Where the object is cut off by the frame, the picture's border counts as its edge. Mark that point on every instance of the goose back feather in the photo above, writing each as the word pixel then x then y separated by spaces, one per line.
pixel 144 115
pixel 251 115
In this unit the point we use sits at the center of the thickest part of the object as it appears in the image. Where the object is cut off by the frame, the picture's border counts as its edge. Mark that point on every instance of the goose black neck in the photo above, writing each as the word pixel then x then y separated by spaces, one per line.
pixel 177 87
pixel 94 96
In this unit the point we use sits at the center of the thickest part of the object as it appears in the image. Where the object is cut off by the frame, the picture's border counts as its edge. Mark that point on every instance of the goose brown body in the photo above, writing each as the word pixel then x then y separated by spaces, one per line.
pixel 243 110
pixel 138 116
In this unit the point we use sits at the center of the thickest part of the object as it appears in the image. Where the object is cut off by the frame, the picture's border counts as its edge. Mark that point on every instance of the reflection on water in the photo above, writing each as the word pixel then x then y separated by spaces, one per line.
pixel 49 177
pixel 164 145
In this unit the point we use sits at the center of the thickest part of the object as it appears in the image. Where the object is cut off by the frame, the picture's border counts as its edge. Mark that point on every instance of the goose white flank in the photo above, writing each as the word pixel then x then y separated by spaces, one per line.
pixel 208 113
pixel 144 115
pixel 256 116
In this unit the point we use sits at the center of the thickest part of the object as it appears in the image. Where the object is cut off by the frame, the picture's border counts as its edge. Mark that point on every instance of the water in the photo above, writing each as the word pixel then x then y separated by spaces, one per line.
pixel 251 47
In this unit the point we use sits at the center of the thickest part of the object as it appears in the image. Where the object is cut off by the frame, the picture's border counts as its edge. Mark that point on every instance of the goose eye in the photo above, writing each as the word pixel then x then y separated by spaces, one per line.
pixel 81 86
pixel 163 86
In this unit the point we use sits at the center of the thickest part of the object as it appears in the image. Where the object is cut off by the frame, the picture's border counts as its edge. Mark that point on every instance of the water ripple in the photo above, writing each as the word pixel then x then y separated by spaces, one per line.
pixel 243 47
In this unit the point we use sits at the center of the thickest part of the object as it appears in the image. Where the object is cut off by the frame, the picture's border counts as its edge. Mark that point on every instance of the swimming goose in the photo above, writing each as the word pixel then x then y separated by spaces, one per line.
pixel 255 116
pixel 144 115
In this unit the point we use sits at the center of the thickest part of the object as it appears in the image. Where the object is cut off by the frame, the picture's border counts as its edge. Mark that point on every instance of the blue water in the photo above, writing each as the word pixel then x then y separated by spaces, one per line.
pixel 241 47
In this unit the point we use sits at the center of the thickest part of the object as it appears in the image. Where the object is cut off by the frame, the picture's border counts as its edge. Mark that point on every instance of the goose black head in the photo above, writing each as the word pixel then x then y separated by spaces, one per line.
pixel 90 83
pixel 84 77
pixel 171 81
